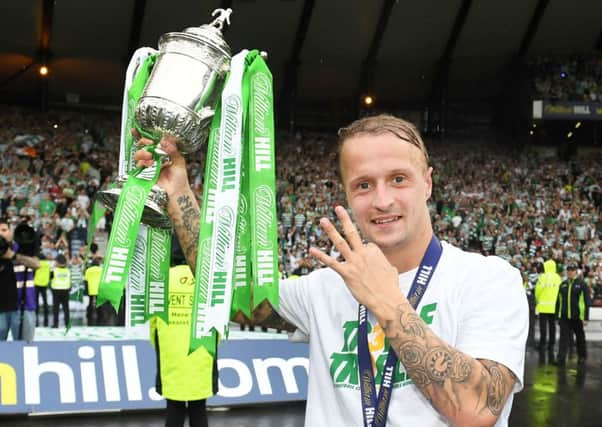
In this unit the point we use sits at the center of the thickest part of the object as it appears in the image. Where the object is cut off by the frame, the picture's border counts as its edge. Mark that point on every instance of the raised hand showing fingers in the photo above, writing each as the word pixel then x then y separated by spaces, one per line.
pixel 351 234
pixel 366 271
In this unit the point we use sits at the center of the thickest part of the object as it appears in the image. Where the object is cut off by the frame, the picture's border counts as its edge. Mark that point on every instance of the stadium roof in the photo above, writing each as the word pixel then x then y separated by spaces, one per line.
pixel 330 50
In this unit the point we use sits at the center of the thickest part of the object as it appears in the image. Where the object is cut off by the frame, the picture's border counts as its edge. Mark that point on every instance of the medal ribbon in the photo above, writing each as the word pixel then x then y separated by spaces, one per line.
pixel 375 410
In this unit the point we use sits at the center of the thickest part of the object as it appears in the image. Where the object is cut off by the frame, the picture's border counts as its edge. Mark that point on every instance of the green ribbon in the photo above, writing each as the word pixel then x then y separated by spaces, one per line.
pixel 158 255
pixel 136 303
pixel 134 94
pixel 203 264
pixel 122 240
pixel 140 253
pixel 219 215
pixel 262 183
pixel 241 291
pixel 255 259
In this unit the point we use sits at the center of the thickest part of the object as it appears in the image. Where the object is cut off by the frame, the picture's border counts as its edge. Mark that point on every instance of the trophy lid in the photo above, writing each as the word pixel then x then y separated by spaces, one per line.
pixel 212 33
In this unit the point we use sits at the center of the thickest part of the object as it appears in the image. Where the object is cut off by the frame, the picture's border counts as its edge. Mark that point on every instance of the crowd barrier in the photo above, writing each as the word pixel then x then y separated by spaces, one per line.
pixel 100 369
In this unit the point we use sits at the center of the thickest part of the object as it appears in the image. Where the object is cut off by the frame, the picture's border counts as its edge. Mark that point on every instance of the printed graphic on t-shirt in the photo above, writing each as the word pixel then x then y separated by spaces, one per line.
pixel 344 364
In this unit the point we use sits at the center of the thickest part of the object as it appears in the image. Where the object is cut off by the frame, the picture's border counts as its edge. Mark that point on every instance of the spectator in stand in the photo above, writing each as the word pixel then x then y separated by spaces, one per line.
pixel 538 207
pixel 567 78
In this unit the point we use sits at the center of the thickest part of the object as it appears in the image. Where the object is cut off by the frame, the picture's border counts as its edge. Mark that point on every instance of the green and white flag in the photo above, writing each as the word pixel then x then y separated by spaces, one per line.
pixel 76 293
pixel 98 211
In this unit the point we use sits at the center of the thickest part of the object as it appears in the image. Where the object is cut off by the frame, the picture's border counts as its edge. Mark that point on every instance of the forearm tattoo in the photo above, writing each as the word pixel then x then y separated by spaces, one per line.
pixel 273 320
pixel 188 230
pixel 496 391
pixel 265 315
pixel 441 372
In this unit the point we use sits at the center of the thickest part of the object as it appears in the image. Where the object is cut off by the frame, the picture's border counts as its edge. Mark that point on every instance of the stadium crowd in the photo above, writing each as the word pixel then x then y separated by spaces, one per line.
pixel 571 78
pixel 519 206
pixel 522 206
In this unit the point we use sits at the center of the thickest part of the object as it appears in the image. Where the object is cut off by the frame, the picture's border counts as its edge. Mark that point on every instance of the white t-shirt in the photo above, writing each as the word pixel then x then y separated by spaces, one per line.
pixel 476 304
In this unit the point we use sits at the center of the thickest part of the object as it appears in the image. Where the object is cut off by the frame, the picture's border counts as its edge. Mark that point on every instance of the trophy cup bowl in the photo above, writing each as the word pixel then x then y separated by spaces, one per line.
pixel 179 99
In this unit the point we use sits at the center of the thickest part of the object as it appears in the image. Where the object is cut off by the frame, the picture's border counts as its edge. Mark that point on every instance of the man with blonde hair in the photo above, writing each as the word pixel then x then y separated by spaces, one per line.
pixel 407 330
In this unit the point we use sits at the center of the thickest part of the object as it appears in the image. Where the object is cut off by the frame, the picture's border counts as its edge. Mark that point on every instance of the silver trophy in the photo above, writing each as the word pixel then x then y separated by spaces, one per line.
pixel 179 99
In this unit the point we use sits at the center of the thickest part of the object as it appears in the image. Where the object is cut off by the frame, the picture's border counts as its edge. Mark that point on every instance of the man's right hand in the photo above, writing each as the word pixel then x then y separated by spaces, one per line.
pixel 182 206
pixel 173 177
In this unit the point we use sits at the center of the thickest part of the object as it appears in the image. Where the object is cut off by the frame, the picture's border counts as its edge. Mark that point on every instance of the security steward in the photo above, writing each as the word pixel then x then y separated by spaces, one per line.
pixel 41 279
pixel 92 279
pixel 572 308
pixel 60 285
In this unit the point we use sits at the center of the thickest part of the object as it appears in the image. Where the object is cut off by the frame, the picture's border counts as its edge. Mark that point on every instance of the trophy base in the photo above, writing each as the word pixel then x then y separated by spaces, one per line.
pixel 154 213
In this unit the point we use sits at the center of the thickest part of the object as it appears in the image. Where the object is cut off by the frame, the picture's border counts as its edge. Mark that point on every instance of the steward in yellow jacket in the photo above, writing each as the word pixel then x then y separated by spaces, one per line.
pixel 41 279
pixel 546 293
pixel 182 378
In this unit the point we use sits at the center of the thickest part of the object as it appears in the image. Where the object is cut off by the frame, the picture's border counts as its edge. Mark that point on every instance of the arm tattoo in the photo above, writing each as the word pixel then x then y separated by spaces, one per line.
pixel 275 321
pixel 189 232
pixel 496 391
pixel 412 324
pixel 461 367
pixel 411 354
pixel 442 373
pixel 265 315
pixel 438 364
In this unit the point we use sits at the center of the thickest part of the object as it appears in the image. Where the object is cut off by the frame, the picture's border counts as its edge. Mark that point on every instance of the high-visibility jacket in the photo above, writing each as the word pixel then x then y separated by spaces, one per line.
pixel 61 279
pixel 573 300
pixel 546 289
pixel 92 277
pixel 42 275
pixel 183 376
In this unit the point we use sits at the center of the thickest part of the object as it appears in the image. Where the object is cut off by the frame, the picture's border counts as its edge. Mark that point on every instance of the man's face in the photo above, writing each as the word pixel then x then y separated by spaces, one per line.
pixel 6 232
pixel 387 184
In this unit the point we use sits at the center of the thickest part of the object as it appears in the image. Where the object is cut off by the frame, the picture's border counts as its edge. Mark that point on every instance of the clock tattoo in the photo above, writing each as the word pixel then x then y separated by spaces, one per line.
pixel 438 363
